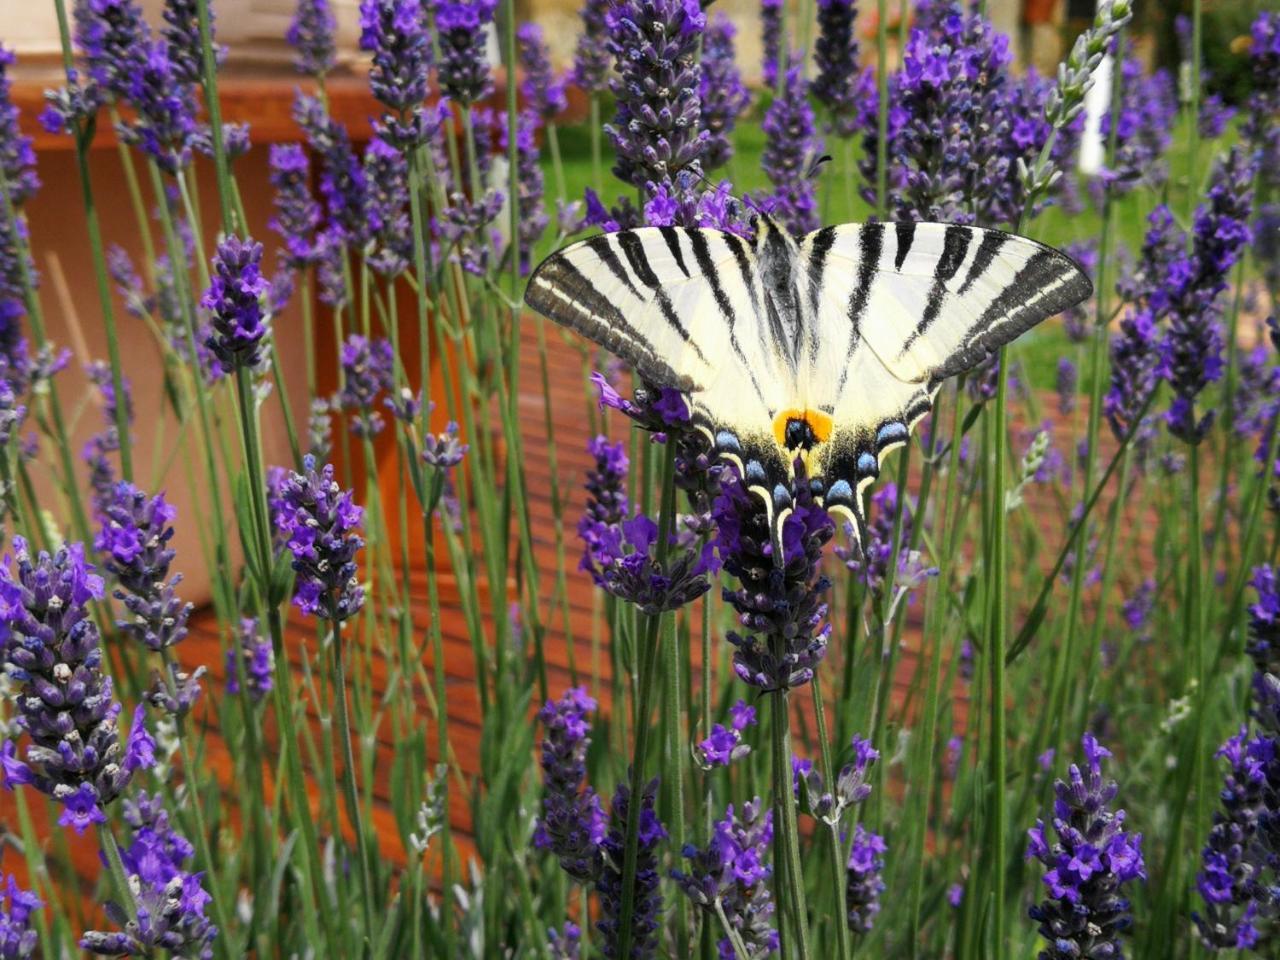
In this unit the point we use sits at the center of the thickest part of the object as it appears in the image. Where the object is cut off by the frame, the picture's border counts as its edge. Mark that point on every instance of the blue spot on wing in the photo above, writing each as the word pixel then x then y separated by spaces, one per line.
pixel 840 492
pixel 727 441
pixel 895 431
pixel 868 465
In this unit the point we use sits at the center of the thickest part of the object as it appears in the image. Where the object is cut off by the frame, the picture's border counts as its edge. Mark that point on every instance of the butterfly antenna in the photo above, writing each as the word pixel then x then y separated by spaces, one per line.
pixel 816 167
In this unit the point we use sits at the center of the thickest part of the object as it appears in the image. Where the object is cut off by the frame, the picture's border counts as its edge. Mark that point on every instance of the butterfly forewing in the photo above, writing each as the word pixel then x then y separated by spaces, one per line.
pixel 684 308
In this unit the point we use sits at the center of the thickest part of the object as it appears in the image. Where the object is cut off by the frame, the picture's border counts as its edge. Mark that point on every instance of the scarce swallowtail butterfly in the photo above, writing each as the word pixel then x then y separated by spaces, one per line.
pixel 825 349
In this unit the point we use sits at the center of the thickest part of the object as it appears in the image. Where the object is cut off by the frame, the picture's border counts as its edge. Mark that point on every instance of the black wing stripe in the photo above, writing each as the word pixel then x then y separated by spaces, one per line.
pixel 906 236
pixel 870 246
pixel 992 241
pixel 702 255
pixel 821 245
pixel 672 238
pixel 633 248
pixel 603 249
pixel 955 247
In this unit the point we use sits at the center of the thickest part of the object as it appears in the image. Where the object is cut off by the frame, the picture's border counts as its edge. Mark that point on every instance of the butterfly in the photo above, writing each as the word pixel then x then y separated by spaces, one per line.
pixel 825 349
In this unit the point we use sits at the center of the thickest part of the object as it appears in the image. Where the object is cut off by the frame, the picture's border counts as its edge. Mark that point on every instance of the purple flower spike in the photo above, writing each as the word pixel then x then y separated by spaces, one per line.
pixel 165 128
pixel 134 543
pixel 532 210
pixel 65 701
pixel 18 938
pixel 591 59
pixel 396 32
pixel 297 214
pixel 113 37
pixel 863 883
pixel 253 651
pixel 17 158
pixel 648 893
pixel 733 872
pixel 310 34
pixel 367 367
pixel 771 40
pixel 1087 866
pixel 572 824
pixel 181 31
pixel 462 26
pixel 543 93
pixel 565 943
pixel 1143 128
pixel 780 605
pixel 170 899
pixel 791 147
pixel 835 55
pixel 321 525
pixel 236 300
pixel 724 96
pixel 658 130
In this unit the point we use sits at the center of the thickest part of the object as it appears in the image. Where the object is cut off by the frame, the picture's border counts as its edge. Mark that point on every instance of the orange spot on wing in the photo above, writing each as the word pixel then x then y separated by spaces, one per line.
pixel 819 422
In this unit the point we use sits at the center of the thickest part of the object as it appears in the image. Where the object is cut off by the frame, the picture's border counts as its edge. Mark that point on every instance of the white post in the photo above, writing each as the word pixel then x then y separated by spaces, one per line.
pixel 1097 100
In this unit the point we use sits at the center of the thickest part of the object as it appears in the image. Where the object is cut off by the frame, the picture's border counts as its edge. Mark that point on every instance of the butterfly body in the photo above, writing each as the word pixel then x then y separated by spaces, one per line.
pixel 822 351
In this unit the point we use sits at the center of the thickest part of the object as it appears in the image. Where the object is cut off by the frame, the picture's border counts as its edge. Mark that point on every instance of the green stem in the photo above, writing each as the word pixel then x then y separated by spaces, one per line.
pixel 998 640
pixel 839 872
pixel 648 669
pixel 350 792
pixel 788 873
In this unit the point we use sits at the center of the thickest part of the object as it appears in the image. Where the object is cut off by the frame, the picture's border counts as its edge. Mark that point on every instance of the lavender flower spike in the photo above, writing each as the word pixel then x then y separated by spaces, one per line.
pixel 310 33
pixel 113 38
pixel 731 874
pixel 395 31
pixel 66 704
pixel 297 214
pixel 572 824
pixel 321 525
pixel 542 92
pixel 170 898
pixel 236 298
pixel 724 744
pixel 1087 866
pixel 835 56
pixel 367 367
pixel 254 651
pixel 17 158
pixel 780 606
pixel 648 894
pixel 18 938
pixel 791 146
pixel 863 883
pixel 463 70
pixel 724 97
pixel 591 63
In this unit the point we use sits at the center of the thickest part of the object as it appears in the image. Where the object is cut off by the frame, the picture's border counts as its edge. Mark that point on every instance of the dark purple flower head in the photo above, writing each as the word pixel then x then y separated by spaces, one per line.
pixel 1143 128
pixel 444 451
pixel 65 701
pixel 852 784
pixel 724 96
pixel 165 127
pixel 17 158
pixel 949 132
pixel 648 893
pixel 134 544
pixel 872 559
pixel 342 179
pixel 606 487
pixel 1066 381
pixel 658 131
pixel 724 744
pixel 18 936
pixel 1138 608
pixel 1259 128
pixel 591 59
pixel 181 31
pixel 15 260
pixel 465 225
pixel 297 214
pixel 1087 865
pixel 791 147
pixel 310 34
pixel 367 367
pixel 388 235
pixel 236 301
pixel 572 824
pixel 1191 351
pixel 1263 645
pixel 622 560
pixel 1257 396
pixel 253 653
pixel 461 26
pixel 778 603
pixel 542 91
pixel 1233 879
pixel 170 899
pixel 69 106
pixel 321 525
pixel 396 32
pixel 771 40
pixel 732 873
pixel 835 57
pixel 863 883
pixel 113 37
pixel 1135 365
